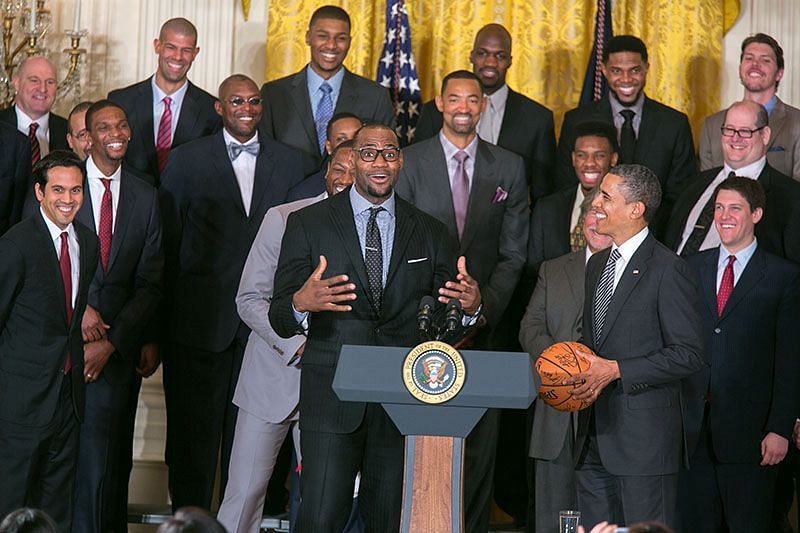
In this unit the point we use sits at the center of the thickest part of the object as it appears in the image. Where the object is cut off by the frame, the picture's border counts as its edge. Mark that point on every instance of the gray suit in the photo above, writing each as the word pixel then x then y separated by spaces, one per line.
pixel 554 314
pixel 783 153
pixel 268 389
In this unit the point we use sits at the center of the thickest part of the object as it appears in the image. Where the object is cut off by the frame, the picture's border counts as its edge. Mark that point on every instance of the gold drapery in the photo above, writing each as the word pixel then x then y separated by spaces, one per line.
pixel 551 44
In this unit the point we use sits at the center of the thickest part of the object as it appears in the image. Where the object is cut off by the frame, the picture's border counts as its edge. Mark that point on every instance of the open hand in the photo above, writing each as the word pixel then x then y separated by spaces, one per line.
pixel 329 294
pixel 466 289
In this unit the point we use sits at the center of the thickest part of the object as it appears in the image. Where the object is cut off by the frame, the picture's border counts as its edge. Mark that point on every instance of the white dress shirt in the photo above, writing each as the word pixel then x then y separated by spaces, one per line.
pixel 159 107
pixel 97 190
pixel 42 134
pixel 491 120
pixel 626 251
pixel 74 250
pixel 244 167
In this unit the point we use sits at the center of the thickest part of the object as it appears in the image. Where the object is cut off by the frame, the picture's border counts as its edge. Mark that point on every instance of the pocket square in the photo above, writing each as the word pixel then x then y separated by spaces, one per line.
pixel 418 260
pixel 500 195
pixel 776 149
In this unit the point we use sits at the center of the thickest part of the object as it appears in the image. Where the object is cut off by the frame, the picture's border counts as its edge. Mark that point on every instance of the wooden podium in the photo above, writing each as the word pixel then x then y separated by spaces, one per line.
pixel 434 432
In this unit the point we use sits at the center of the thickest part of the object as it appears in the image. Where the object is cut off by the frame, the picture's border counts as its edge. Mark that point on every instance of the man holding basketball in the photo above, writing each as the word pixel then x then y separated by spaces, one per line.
pixel 640 318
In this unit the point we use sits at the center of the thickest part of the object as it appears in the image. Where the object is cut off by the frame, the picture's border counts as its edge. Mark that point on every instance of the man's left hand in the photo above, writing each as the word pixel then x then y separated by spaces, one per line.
pixel 773 449
pixel 95 357
pixel 591 382
pixel 466 289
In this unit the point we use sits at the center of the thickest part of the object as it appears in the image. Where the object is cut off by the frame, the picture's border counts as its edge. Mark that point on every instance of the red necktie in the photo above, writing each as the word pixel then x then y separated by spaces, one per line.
pixel 36 151
pixel 66 277
pixel 106 222
pixel 164 139
pixel 726 286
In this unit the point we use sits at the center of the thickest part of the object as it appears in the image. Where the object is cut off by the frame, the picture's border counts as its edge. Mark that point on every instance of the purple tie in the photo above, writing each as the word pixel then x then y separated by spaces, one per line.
pixel 460 188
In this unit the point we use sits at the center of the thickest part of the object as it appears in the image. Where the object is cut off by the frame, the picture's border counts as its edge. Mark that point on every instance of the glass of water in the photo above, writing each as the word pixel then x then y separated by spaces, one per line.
pixel 568 521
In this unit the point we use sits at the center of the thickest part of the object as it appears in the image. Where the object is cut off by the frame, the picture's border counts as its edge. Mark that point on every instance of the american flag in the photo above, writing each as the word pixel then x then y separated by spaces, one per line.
pixel 397 71
pixel 594 84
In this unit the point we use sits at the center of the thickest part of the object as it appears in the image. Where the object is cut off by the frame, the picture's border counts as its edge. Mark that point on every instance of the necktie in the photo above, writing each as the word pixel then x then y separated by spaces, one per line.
pixel 460 191
pixel 164 140
pixel 236 149
pixel 36 152
pixel 701 227
pixel 627 137
pixel 66 278
pixel 373 258
pixel 106 223
pixel 605 289
pixel 726 286
pixel 486 124
pixel 324 114
pixel 577 240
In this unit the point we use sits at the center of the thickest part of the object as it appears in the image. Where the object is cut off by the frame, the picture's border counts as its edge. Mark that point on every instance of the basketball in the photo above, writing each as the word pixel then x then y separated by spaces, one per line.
pixel 554 365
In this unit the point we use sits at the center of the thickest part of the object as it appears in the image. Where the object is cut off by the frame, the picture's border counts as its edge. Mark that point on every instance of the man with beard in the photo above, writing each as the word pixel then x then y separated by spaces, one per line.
pixel 215 192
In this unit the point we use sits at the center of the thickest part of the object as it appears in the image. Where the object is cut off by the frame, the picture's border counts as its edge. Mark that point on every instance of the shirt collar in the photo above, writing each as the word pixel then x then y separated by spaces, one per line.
pixel 742 256
pixel 315 80
pixel 177 96
pixel 630 246
pixel 361 204
pixel 451 149
pixel 616 106
pixel 499 97
pixel 770 105
pixel 230 140
pixel 55 231
pixel 93 172
pixel 24 121
pixel 752 171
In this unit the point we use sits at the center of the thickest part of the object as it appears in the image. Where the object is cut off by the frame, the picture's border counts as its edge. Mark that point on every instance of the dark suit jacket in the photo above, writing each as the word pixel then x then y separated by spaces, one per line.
pixel 755 373
pixel 550 227
pixel 197 119
pixel 15 171
pixel 778 231
pixel 312 186
pixel 664 145
pixel 58 128
pixel 288 114
pixel 653 331
pixel 527 130
pixel 34 335
pixel 128 294
pixel 495 232
pixel 207 234
pixel 328 228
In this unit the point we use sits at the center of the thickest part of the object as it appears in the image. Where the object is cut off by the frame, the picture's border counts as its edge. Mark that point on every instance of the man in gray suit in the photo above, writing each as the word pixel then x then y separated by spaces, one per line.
pixel 555 314
pixel 297 108
pixel 760 71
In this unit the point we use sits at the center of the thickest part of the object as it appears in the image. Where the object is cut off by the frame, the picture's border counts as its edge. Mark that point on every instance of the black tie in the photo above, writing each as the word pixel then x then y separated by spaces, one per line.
pixel 701 227
pixel 373 258
pixel 627 137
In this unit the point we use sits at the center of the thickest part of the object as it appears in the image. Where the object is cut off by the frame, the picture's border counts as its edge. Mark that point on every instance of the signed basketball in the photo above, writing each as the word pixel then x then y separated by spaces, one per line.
pixel 554 365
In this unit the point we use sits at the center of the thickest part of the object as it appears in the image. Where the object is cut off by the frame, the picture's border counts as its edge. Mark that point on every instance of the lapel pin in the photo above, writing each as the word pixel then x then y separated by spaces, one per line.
pixel 635 271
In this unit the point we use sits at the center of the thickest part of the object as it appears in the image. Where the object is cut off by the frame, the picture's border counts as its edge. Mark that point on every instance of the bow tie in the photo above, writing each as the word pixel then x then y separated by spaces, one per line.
pixel 235 149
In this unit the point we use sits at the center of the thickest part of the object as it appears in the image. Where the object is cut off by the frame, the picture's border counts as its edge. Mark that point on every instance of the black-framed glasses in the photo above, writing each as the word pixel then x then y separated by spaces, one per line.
pixel 237 101
pixel 744 133
pixel 369 154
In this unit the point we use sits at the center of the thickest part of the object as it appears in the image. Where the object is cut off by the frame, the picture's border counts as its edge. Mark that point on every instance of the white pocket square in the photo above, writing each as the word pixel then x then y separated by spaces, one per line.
pixel 419 260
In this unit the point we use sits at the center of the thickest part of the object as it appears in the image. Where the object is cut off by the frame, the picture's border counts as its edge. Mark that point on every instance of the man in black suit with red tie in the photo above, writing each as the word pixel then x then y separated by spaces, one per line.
pixel 46 264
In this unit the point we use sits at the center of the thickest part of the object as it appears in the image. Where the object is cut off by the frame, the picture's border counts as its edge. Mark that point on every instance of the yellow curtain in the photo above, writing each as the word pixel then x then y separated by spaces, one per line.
pixel 551 44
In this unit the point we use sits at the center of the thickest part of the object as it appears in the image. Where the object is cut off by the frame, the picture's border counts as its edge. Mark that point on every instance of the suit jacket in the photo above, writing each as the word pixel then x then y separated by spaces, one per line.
pixel 15 172
pixel 653 330
pixel 527 130
pixel 778 229
pixel 755 373
pixel 495 232
pixel 58 128
pixel 34 335
pixel 550 228
pixel 664 145
pixel 423 259
pixel 128 293
pixel 554 314
pixel 288 114
pixel 198 118
pixel 207 234
pixel 269 383
pixel 783 152
pixel 312 186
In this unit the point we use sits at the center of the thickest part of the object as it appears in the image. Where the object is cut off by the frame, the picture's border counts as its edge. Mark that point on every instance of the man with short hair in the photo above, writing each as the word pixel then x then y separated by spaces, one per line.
pixel 166 110
pixel 78 137
pixel 649 132
pixel 298 107
pixel 741 411
pixel 761 68
pixel 511 120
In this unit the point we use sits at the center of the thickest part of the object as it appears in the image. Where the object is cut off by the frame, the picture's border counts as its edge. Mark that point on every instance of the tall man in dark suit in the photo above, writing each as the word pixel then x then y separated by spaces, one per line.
pixel 46 264
pixel 650 133
pixel 215 192
pixel 745 139
pixel 15 171
pixel 384 256
pixel 511 120
pixel 298 107
pixel 166 110
pixel 640 318
pixel 123 295
pixel 741 410
pixel 478 191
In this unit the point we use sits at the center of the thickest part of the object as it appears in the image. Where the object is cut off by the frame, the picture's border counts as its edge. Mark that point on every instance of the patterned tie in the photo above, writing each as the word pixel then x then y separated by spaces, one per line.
pixel 577 240
pixel 701 227
pixel 726 286
pixel 164 139
pixel 373 258
pixel 36 151
pixel 106 223
pixel 460 191
pixel 66 278
pixel 627 137
pixel 605 290
pixel 324 114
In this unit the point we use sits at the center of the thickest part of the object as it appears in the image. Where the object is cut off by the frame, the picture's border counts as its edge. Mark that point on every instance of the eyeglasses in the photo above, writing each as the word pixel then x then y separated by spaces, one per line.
pixel 368 155
pixel 744 133
pixel 237 101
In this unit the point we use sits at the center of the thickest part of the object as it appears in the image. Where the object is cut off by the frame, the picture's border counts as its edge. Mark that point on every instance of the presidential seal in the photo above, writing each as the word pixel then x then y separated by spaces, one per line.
pixel 434 372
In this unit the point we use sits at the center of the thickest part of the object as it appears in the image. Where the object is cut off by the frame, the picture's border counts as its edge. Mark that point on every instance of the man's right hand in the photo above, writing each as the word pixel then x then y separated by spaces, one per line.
pixel 328 294
pixel 92 326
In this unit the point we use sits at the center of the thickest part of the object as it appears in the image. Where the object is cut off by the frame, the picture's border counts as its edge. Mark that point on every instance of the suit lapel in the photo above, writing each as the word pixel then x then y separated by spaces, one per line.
pixel 480 194
pixel 125 209
pixel 708 281
pixel 46 247
pixel 348 97
pixel 342 219
pixel 575 271
pixel 190 112
pixel 511 115
pixel 439 181
pixel 404 228
pixel 302 105
pixel 262 178
pixel 225 175
pixel 86 213
pixel 751 276
pixel 144 116
pixel 647 128
pixel 777 119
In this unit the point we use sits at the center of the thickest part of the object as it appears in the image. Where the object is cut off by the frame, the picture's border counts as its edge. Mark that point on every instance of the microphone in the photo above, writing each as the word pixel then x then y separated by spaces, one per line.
pixel 453 315
pixel 425 317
